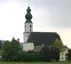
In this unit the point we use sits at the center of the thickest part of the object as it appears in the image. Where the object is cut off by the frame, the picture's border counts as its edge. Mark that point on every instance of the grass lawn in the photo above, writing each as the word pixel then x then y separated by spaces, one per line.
pixel 35 62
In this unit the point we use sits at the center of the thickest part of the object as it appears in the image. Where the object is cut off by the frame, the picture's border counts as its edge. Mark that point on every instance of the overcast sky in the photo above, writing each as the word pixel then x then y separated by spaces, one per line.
pixel 48 16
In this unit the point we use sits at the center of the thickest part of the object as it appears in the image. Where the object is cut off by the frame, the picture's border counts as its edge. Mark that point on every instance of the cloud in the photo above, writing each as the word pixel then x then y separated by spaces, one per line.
pixel 59 12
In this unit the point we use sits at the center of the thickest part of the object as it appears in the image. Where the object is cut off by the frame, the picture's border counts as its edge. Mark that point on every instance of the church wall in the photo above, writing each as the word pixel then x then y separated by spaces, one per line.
pixel 63 55
pixel 28 27
pixel 28 46
pixel 26 35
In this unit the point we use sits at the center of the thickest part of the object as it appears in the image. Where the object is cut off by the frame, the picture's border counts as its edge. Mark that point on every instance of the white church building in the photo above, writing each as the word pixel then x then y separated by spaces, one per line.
pixel 36 40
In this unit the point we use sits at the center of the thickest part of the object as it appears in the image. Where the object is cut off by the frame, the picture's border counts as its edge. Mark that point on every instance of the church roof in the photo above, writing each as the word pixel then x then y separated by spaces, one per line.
pixel 46 38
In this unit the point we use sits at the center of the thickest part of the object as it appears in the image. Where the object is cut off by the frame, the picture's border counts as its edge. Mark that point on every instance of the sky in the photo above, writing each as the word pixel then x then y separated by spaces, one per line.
pixel 48 16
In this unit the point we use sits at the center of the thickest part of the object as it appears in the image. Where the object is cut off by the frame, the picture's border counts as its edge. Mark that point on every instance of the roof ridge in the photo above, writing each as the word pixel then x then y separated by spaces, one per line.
pixel 43 32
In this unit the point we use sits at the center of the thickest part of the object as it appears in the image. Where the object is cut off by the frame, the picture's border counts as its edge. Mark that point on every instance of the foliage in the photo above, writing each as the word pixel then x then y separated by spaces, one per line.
pixel 58 44
pixel 69 55
pixel 46 54
pixel 11 50
pixel 50 53
pixel 1 44
pixel 57 54
pixel 30 56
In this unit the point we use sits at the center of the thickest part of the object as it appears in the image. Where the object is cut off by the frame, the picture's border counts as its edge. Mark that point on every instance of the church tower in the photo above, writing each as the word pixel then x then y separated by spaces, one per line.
pixel 28 25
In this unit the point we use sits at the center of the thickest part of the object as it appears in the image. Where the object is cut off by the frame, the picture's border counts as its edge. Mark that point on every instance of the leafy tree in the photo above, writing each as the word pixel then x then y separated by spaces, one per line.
pixel 46 54
pixel 5 48
pixel 11 50
pixel 69 55
pixel 49 53
pixel 57 54
pixel 58 44
pixel 1 44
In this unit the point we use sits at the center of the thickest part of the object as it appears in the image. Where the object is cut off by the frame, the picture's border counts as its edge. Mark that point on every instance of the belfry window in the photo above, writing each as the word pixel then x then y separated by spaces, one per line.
pixel 30 30
pixel 30 26
pixel 25 26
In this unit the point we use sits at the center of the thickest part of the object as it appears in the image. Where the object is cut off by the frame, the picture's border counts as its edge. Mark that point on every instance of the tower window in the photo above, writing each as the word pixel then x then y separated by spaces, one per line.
pixel 30 26
pixel 25 26
pixel 30 30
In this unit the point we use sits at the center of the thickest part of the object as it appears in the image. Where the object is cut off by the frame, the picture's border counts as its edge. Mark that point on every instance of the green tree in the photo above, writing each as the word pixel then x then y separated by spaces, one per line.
pixel 46 54
pixel 58 44
pixel 5 48
pixel 57 54
pixel 11 50
pixel 69 55
pixel 49 53
pixel 1 44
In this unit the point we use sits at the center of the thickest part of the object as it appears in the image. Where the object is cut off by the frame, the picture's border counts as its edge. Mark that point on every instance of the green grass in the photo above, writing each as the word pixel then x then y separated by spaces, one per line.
pixel 35 62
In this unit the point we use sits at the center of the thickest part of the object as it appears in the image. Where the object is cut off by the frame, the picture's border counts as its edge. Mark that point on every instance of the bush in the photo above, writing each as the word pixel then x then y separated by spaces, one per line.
pixel 69 55
pixel 31 56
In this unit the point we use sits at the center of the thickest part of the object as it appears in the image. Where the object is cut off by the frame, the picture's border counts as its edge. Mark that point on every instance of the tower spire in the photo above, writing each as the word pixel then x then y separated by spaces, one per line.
pixel 28 15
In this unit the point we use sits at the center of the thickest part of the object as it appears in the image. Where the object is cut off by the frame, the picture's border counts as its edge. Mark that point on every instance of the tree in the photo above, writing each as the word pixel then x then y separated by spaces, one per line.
pixel 1 44
pixel 58 44
pixel 5 48
pixel 49 53
pixel 69 55
pixel 11 50
pixel 57 54
pixel 46 54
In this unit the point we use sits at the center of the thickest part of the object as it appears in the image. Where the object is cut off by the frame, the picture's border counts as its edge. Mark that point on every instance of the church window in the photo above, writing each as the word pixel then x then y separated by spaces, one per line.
pixel 25 26
pixel 30 30
pixel 30 26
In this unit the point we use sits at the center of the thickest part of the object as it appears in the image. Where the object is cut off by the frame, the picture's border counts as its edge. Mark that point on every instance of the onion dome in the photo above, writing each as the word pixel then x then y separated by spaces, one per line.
pixel 28 15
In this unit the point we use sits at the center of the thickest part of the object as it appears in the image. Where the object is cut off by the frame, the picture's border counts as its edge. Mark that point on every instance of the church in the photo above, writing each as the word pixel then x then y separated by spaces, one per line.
pixel 36 40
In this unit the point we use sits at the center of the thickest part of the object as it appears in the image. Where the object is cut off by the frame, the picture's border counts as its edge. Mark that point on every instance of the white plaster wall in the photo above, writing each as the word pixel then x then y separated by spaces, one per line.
pixel 28 46
pixel 26 35
pixel 27 28
pixel 63 55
